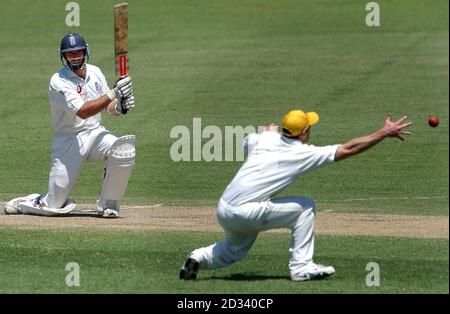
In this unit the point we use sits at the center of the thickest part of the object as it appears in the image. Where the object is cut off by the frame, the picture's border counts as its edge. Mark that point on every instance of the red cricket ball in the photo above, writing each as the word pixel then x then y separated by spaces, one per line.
pixel 433 121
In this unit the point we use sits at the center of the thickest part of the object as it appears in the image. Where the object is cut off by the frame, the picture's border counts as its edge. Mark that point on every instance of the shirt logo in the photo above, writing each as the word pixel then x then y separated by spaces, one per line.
pixel 79 89
pixel 97 87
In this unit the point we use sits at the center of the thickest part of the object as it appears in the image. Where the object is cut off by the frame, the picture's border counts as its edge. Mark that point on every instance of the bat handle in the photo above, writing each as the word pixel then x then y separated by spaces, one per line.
pixel 122 109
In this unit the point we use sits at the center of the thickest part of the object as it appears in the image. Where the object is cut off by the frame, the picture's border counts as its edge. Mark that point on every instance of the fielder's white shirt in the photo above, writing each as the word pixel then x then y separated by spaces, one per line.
pixel 274 162
pixel 67 92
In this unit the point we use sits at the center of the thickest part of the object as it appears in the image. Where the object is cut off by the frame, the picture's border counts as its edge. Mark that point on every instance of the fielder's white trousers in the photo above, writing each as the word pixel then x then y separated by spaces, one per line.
pixel 243 223
pixel 69 153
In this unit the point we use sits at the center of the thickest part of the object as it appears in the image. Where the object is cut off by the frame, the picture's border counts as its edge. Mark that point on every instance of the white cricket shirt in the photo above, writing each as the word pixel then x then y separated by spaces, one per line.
pixel 67 92
pixel 274 161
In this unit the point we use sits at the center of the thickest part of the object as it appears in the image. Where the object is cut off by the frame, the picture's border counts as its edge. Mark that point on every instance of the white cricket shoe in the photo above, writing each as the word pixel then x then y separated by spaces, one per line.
pixel 312 272
pixel 12 207
pixel 110 213
pixel 107 212
pixel 189 270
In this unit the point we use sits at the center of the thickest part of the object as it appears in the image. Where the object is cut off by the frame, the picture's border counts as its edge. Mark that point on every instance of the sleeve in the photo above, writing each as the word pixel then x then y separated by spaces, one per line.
pixel 250 141
pixel 61 94
pixel 312 157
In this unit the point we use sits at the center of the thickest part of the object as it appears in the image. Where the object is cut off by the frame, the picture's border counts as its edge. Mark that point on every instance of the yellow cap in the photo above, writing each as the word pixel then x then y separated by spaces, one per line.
pixel 295 121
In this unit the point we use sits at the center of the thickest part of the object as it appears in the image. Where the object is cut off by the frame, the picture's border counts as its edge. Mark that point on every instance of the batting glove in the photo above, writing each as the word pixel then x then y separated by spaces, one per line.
pixel 125 104
pixel 122 88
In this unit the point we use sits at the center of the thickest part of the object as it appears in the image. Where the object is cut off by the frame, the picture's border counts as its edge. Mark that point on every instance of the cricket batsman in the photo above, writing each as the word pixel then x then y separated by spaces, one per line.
pixel 247 206
pixel 78 93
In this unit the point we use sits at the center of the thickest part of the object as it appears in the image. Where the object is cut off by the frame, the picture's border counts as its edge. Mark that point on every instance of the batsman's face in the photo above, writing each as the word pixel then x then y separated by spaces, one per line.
pixel 75 57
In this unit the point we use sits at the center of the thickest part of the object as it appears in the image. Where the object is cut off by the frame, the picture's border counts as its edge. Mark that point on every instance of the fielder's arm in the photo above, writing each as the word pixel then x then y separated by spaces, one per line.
pixel 360 144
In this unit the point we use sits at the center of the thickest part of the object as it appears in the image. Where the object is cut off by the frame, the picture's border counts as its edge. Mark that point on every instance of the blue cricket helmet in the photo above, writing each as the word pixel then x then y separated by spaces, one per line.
pixel 72 42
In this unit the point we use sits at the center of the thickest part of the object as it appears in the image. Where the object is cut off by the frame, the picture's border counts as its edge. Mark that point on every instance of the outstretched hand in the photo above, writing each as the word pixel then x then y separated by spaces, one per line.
pixel 395 129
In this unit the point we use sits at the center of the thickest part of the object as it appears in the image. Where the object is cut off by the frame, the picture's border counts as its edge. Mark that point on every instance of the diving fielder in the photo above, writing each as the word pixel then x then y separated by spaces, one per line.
pixel 78 93
pixel 247 206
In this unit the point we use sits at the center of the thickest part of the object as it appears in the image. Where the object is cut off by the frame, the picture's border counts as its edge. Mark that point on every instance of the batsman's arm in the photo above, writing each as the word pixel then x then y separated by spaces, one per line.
pixel 122 89
pixel 360 144
pixel 92 107
pixel 113 108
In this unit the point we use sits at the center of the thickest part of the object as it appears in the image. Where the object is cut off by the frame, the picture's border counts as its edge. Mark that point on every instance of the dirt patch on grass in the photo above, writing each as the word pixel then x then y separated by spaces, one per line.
pixel 204 219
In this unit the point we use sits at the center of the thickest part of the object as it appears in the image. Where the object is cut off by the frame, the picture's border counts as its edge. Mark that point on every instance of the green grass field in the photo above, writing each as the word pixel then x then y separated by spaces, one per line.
pixel 241 64
pixel 149 262
pixel 236 63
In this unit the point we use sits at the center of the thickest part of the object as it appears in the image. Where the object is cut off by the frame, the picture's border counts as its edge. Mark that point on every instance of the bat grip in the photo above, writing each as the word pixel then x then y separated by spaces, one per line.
pixel 122 109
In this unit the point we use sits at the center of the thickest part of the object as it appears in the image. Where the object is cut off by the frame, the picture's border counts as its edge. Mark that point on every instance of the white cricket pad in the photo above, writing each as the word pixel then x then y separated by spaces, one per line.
pixel 119 163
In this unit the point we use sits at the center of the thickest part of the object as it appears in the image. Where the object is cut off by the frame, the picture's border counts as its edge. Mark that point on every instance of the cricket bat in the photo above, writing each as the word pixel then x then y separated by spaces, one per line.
pixel 121 39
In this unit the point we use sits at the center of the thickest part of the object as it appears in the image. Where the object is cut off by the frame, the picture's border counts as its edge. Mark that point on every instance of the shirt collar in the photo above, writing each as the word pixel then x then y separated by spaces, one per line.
pixel 290 140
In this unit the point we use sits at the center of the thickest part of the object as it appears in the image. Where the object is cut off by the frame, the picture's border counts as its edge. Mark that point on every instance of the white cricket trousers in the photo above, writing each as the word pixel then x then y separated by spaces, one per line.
pixel 69 153
pixel 243 223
